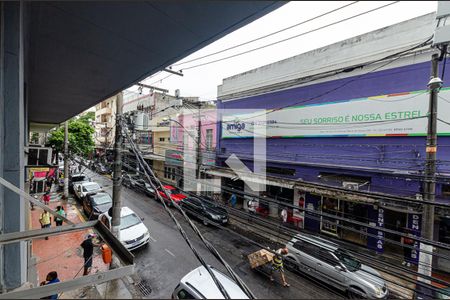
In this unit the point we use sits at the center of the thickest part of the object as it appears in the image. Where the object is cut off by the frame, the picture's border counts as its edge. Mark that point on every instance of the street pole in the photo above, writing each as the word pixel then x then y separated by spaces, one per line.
pixel 66 160
pixel 117 202
pixel 199 149
pixel 426 256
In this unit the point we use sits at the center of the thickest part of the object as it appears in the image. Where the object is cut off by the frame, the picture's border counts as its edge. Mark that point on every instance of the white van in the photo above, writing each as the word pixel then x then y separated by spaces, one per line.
pixel 133 232
pixel 198 284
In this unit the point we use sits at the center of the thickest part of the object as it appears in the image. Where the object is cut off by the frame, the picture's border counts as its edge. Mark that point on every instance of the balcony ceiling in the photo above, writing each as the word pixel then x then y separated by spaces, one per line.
pixel 80 53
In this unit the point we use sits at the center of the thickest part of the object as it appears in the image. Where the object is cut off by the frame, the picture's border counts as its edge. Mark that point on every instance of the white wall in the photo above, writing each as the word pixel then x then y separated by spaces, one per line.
pixel 351 52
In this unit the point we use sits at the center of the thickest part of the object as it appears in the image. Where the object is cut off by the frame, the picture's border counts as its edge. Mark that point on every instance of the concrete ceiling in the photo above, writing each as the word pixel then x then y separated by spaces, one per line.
pixel 80 53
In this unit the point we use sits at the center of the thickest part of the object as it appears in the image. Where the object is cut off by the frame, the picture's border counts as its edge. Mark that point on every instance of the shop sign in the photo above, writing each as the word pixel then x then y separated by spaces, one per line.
pixel 401 114
pixel 38 172
pixel 414 223
pixel 380 233
pixel 174 157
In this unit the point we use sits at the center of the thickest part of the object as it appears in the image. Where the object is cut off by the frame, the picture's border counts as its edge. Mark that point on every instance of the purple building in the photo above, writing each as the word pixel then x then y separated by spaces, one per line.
pixel 345 130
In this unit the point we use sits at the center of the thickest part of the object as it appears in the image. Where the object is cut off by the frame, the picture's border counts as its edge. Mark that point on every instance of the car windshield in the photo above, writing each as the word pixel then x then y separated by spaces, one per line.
pixel 351 263
pixel 209 204
pixel 91 187
pixel 129 221
pixel 78 178
pixel 101 199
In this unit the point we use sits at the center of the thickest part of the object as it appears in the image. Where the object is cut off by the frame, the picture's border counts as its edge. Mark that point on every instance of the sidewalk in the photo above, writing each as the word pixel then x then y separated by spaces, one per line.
pixel 64 255
pixel 268 231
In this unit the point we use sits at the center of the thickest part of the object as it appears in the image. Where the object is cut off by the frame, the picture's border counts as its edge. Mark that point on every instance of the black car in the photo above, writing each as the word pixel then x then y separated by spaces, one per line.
pixel 129 180
pixel 142 186
pixel 76 178
pixel 95 204
pixel 207 211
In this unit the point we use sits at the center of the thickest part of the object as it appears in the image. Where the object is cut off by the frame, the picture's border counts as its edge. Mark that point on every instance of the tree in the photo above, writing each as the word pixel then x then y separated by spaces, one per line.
pixel 80 137
pixel 87 117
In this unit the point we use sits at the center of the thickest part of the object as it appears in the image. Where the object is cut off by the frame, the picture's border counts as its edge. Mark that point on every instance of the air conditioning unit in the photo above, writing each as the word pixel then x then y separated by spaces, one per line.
pixel 350 185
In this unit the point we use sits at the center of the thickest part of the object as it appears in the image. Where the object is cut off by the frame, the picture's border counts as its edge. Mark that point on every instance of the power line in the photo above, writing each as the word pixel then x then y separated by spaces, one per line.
pixel 289 38
pixel 267 35
pixel 218 225
pixel 148 170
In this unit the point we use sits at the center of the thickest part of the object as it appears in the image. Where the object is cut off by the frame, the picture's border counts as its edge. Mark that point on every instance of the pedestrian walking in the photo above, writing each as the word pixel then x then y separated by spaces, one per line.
pixel 88 251
pixel 46 198
pixel 284 215
pixel 79 168
pixel 60 211
pixel 46 221
pixel 407 241
pixel 233 200
pixel 48 184
pixel 277 265
pixel 52 277
pixel 251 204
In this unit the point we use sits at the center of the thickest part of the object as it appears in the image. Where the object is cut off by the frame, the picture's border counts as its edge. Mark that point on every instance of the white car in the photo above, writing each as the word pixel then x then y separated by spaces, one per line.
pixel 198 284
pixel 133 232
pixel 81 190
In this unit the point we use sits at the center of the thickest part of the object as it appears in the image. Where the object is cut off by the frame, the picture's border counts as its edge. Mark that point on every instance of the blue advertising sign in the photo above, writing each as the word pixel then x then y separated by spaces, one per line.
pixel 414 224
pixel 376 217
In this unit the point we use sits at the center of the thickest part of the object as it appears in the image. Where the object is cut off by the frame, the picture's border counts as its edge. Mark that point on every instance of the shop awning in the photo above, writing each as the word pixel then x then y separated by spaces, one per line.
pixel 285 183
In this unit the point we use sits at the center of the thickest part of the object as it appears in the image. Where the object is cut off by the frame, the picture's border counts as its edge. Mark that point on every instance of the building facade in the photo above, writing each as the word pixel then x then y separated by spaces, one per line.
pixel 345 127
pixel 105 120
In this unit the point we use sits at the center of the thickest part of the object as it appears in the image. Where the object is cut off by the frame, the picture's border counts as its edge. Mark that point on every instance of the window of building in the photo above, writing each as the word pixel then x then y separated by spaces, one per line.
pixel 209 139
pixel 445 190
pixel 161 139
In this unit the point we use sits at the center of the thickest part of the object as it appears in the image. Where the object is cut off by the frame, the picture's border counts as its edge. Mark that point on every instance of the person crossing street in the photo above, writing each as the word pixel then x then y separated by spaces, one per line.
pixel 277 265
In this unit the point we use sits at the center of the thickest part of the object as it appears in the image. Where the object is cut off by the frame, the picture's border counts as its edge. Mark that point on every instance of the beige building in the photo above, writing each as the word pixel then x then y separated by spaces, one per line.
pixel 105 114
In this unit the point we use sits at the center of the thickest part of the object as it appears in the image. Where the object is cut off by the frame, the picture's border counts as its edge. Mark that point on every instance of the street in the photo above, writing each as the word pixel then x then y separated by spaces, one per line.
pixel 167 258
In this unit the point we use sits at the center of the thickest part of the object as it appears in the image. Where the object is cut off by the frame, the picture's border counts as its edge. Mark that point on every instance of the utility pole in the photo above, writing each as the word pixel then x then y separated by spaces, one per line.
pixel 199 147
pixel 117 176
pixel 66 160
pixel 426 256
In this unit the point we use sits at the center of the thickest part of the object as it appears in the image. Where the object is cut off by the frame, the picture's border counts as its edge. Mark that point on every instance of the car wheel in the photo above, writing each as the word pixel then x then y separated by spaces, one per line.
pixel 356 293
pixel 290 264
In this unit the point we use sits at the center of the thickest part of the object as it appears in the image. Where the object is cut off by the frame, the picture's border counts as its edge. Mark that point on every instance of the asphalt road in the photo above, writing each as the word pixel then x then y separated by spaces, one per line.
pixel 167 258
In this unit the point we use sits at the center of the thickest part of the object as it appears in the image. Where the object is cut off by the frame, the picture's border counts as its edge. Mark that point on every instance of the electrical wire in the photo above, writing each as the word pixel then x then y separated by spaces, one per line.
pixel 253 216
pixel 267 35
pixel 216 254
pixel 335 217
pixel 146 169
pixel 289 38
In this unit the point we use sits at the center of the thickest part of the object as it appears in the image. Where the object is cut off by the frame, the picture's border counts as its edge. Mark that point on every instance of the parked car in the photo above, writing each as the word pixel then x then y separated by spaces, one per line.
pixel 101 168
pixel 129 180
pixel 205 210
pixel 94 204
pixel 77 178
pixel 133 232
pixel 142 186
pixel 81 190
pixel 198 284
pixel 326 261
pixel 175 194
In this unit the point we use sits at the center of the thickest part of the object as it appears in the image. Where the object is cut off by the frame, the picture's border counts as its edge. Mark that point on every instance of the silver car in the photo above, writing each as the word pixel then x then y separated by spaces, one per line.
pixel 198 284
pixel 324 260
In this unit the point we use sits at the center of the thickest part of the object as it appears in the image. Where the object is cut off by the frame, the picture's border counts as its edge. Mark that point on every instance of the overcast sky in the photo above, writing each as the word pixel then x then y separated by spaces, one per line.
pixel 203 81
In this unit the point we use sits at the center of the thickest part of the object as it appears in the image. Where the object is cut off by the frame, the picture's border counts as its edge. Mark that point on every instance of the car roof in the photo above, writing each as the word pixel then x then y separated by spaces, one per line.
pixel 78 175
pixel 201 281
pixel 126 211
pixel 99 194
pixel 90 183
pixel 316 240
